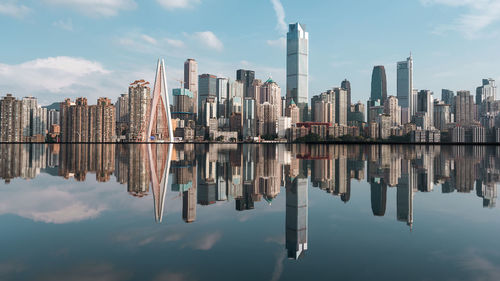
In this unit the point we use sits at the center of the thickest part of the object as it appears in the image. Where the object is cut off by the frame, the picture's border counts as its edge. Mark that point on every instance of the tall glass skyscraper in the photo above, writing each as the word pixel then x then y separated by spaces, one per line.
pixel 379 84
pixel 405 93
pixel 297 68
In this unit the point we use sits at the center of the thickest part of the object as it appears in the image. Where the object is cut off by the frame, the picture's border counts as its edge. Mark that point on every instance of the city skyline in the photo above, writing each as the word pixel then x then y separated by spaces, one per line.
pixel 92 72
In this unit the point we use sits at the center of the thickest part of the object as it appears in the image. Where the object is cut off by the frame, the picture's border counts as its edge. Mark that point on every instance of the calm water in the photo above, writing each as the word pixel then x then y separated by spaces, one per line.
pixel 249 212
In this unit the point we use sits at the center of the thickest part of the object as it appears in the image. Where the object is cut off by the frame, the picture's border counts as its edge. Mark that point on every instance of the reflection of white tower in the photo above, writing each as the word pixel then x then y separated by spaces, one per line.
pixel 159 170
pixel 160 96
pixel 296 217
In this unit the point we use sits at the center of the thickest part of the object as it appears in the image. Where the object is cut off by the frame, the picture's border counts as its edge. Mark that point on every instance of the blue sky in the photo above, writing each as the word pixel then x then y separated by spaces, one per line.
pixel 54 49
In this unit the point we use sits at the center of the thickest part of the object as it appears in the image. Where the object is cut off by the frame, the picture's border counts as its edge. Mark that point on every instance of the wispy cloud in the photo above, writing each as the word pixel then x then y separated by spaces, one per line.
pixel 280 15
pixel 280 42
pixel 209 39
pixel 14 9
pixel 96 8
pixel 480 15
pixel 178 4
pixel 64 24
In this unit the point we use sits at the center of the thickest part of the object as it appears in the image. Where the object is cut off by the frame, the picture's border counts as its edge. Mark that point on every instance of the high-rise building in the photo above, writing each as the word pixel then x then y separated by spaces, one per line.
pixel 270 92
pixel 139 103
pixel 392 108
pixel 102 121
pixel 346 85
pixel 324 112
pixel 74 120
pixel 341 106
pixel 222 97
pixel 249 118
pixel 236 97
pixel 159 118
pixel 207 87
pixel 488 91
pixel 448 96
pixel 122 115
pixel 464 108
pixel 442 115
pixel 209 110
pixel 53 117
pixel 191 82
pixel 405 93
pixel 10 119
pixel 379 84
pixel 246 77
pixel 297 69
pixel 183 104
pixel 293 112
pixel 425 103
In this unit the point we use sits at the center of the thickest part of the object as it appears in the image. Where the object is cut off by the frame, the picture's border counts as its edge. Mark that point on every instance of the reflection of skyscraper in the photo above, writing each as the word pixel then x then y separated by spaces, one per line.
pixel 189 201
pixel 405 194
pixel 296 217
pixel 378 197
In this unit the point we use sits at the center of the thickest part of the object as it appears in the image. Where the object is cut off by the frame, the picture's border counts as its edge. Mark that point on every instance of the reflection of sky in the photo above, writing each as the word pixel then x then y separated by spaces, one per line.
pixel 56 229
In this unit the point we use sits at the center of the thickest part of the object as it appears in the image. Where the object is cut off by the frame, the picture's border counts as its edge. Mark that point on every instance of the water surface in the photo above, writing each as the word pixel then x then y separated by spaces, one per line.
pixel 249 212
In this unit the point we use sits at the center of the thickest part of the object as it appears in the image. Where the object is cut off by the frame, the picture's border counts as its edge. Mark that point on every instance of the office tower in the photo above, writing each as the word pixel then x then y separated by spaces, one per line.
pixel 222 97
pixel 236 97
pixel 392 108
pixel 405 92
pixel 246 77
pixel 296 217
pixel 160 118
pixel 404 193
pixel 425 103
pixel 442 115
pixel 464 108
pixel 297 69
pixel 183 104
pixel 488 91
pixel 373 109
pixel 249 118
pixel 448 96
pixel 191 82
pixel 209 110
pixel 357 113
pixel 139 103
pixel 346 85
pixel 10 119
pixel 102 121
pixel 207 87
pixel 340 106
pixel 379 84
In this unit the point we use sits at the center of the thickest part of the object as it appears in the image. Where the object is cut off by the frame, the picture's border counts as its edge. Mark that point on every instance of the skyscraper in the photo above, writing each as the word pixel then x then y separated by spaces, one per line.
pixel 487 91
pixel 346 85
pixel 379 84
pixel 222 97
pixel 425 105
pixel 246 77
pixel 10 119
pixel 464 108
pixel 191 82
pixel 139 102
pixel 160 119
pixel 405 93
pixel 207 87
pixel 341 106
pixel 297 69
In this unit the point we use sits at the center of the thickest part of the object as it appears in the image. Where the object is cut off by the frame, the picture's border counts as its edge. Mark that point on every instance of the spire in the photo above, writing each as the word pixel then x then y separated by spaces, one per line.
pixel 160 96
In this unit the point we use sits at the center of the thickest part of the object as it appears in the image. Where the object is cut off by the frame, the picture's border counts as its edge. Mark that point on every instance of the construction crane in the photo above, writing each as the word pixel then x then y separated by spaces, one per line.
pixel 181 82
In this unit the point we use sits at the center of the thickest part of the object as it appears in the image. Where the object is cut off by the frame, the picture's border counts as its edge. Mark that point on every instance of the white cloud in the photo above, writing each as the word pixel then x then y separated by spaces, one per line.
pixel 209 39
pixel 174 42
pixel 64 24
pixel 13 9
pixel 177 4
pixel 480 15
pixel 55 75
pixel 96 8
pixel 149 39
pixel 280 42
pixel 280 15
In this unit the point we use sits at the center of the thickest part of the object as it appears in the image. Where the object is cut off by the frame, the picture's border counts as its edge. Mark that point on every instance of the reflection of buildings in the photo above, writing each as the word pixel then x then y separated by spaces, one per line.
pixel 252 175
pixel 296 217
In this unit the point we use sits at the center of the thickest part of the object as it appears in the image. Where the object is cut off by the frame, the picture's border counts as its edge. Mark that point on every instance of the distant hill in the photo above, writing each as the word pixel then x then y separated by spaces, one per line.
pixel 52 106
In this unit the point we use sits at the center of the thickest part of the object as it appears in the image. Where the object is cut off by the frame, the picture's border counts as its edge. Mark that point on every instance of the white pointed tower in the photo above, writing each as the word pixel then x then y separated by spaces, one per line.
pixel 160 98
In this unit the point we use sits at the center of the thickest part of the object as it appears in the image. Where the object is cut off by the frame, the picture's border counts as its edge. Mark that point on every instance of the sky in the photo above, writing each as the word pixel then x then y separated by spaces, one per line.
pixel 53 49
